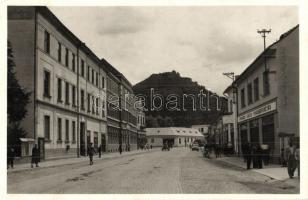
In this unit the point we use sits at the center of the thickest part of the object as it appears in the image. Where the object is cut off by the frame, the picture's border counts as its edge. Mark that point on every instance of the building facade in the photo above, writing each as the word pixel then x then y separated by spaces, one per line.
pixel 229 121
pixel 141 126
pixel 268 96
pixel 69 87
pixel 121 112
pixel 175 136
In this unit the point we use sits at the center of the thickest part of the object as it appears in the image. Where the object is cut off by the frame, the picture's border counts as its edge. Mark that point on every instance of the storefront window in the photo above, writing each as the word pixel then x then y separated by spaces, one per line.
pixel 268 131
pixel 243 132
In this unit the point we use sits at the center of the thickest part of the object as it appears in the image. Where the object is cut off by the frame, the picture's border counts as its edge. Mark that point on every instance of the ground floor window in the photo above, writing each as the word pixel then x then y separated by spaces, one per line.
pixel 244 135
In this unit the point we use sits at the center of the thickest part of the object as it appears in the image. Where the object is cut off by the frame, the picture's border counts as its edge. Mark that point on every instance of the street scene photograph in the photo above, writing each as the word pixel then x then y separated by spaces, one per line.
pixel 153 99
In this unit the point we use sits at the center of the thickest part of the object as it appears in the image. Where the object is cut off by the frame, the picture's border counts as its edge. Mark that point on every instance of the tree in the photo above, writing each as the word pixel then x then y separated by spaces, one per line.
pixel 17 100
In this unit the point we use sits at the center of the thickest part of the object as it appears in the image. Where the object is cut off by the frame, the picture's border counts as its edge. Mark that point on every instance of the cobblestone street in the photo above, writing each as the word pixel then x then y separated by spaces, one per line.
pixel 177 171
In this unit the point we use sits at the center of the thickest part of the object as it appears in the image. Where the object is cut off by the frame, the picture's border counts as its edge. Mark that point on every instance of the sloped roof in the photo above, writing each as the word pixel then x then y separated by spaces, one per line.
pixel 173 131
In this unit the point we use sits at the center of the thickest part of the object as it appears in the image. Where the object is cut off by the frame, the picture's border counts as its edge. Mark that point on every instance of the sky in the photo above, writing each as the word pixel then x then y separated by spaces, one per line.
pixel 200 42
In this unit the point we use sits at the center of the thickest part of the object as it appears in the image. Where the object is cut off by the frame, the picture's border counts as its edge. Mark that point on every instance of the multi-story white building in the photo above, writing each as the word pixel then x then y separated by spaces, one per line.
pixel 175 136
pixel 67 81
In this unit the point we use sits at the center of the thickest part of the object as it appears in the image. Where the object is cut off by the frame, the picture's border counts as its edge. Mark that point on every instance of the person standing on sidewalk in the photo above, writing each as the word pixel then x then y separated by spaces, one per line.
pixel 297 159
pixel 91 152
pixel 10 157
pixel 248 155
pixel 35 156
pixel 120 148
pixel 259 156
pixel 100 151
pixel 291 161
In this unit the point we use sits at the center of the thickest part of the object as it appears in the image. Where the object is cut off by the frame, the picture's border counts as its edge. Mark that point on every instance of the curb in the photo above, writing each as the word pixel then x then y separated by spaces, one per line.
pixel 82 159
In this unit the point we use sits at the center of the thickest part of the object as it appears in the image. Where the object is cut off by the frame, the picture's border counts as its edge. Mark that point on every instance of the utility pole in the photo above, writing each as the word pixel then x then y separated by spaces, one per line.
pixel 229 75
pixel 263 33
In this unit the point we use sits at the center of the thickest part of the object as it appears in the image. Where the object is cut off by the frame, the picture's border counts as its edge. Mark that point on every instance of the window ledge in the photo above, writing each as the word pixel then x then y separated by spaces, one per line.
pixel 67 141
pixel 47 96
pixel 59 141
pixel 47 140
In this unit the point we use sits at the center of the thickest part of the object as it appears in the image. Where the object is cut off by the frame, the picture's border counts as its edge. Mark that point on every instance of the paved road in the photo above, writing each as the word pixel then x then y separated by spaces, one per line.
pixel 177 171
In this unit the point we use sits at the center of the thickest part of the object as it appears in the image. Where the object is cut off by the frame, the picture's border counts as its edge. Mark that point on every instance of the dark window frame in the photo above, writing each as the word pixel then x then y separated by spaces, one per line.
pixel 67 130
pixel 249 93
pixel 256 89
pixel 46 92
pixel 73 62
pixel 82 68
pixel 59 129
pixel 66 57
pixel 47 42
pixel 59 52
pixel 243 101
pixel 59 88
pixel 73 131
pixel 82 99
pixel 74 95
pixel 67 93
pixel 47 127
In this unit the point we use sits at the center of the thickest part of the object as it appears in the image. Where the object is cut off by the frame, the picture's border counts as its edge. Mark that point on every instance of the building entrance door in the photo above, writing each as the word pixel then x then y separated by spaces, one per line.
pixel 169 141
pixel 82 139
pixel 103 142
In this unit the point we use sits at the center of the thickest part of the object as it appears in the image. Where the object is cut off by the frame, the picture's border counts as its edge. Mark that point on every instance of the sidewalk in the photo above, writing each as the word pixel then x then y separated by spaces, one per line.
pixel 70 161
pixel 273 171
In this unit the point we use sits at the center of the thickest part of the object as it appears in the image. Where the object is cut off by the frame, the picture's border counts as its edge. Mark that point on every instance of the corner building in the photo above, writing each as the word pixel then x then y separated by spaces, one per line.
pixel 268 96
pixel 67 81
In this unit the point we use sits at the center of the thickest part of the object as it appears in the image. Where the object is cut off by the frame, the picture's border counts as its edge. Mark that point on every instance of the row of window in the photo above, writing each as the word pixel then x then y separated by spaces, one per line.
pixel 69 87
pixel 253 90
pixel 92 76
pixel 127 136
pixel 59 129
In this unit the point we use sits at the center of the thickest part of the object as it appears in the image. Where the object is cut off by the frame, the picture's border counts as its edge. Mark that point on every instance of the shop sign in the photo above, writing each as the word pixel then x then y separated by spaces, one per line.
pixel 257 112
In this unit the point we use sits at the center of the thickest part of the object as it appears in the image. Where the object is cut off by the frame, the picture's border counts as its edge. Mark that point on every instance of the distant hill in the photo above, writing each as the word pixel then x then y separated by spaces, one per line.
pixel 171 83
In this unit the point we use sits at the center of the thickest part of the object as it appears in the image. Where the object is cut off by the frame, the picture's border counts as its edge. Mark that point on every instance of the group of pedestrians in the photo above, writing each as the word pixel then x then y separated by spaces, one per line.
pixel 253 154
pixel 35 157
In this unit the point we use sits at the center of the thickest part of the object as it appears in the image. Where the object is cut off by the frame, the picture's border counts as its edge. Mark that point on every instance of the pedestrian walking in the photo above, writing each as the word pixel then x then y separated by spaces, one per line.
pixel 120 148
pixel 248 154
pixel 91 152
pixel 298 160
pixel 291 161
pixel 35 156
pixel 100 151
pixel 10 157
